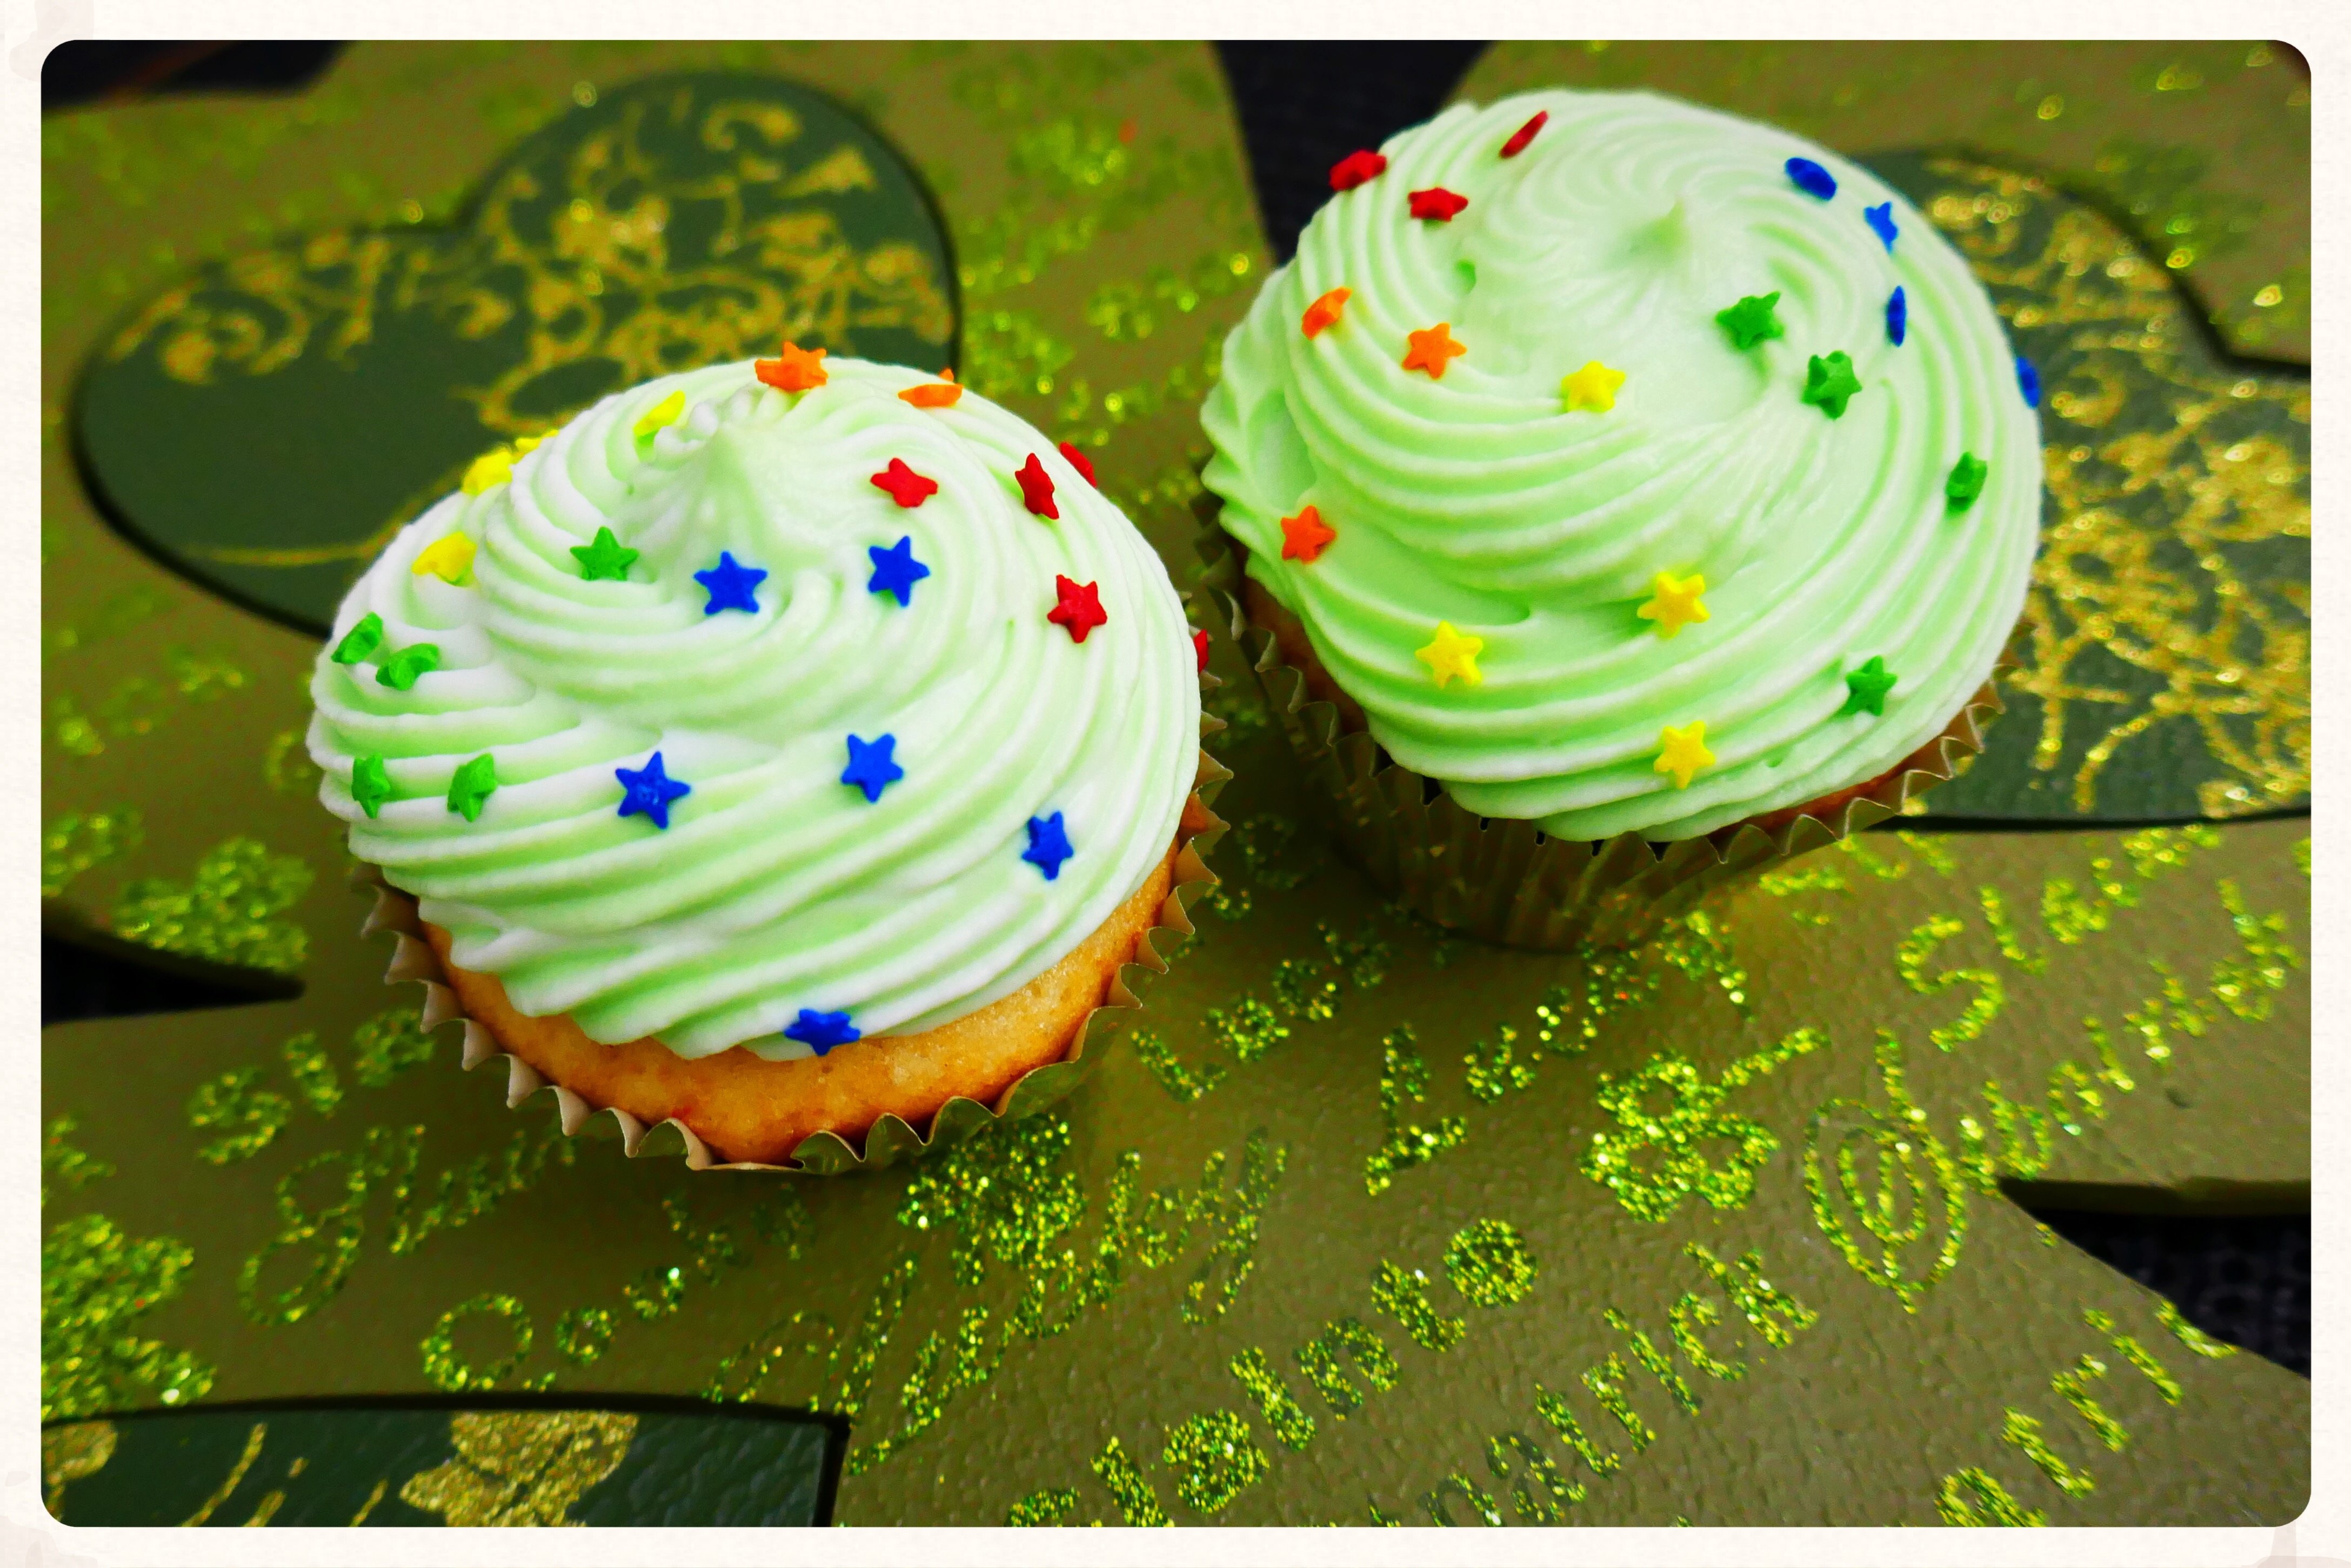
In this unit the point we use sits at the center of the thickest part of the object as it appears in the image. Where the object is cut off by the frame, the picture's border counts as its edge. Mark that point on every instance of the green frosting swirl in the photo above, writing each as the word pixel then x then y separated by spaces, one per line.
pixel 775 887
pixel 1483 500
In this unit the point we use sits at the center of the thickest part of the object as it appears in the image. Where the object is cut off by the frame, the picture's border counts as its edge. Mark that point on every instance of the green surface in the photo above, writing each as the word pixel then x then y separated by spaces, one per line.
pixel 304 1198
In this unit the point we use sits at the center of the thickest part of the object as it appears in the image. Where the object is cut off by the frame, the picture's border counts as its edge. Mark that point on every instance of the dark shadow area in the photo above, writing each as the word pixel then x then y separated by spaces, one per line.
pixel 84 70
pixel 1305 106
pixel 2244 1278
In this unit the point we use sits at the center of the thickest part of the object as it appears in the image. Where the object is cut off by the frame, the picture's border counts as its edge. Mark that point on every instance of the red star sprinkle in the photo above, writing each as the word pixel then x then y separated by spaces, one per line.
pixel 1437 202
pixel 1303 536
pixel 1524 134
pixel 1200 646
pixel 1080 610
pixel 906 487
pixel 1325 311
pixel 1354 168
pixel 1037 491
pixel 1079 460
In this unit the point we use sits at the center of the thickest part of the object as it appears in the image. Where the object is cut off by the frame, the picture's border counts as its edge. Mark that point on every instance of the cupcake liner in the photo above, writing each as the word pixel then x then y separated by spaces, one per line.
pixel 1507 881
pixel 890 1138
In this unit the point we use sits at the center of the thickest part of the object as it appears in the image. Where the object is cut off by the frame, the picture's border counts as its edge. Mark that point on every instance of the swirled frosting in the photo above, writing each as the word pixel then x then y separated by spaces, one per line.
pixel 776 890
pixel 1601 425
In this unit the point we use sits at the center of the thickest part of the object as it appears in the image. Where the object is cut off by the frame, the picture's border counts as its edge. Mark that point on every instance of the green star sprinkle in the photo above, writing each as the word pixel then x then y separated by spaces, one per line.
pixel 399 671
pixel 1751 320
pixel 471 785
pixel 1966 481
pixel 360 641
pixel 370 785
pixel 604 560
pixel 1870 684
pixel 1830 382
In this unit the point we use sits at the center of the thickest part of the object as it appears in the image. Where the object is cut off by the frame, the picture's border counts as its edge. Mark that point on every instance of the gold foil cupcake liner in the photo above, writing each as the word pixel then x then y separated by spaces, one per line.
pixel 1507 881
pixel 890 1139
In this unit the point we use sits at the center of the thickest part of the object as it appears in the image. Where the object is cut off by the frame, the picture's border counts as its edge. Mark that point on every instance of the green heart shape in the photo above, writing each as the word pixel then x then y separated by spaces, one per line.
pixel 265 425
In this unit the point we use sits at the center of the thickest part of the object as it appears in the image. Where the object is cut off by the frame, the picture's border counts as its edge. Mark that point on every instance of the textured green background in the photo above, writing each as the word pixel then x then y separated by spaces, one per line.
pixel 1089 1278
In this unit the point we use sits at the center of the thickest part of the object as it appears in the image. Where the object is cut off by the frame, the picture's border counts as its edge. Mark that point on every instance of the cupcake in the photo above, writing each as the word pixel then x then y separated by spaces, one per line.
pixel 773 748
pixel 1619 495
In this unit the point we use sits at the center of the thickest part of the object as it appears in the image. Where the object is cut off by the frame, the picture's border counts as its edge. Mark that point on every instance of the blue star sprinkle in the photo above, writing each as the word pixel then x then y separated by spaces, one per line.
pixel 1880 219
pixel 896 569
pixel 821 1031
pixel 650 791
pixel 1811 178
pixel 730 584
pixel 2028 381
pixel 871 767
pixel 1897 318
pixel 1048 845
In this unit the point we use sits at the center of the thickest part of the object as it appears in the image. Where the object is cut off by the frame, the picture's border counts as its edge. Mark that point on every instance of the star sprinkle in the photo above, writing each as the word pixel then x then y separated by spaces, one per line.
pixel 1079 460
pixel 905 487
pixel 1048 845
pixel 1355 168
pixel 365 637
pixel 2028 381
pixel 1751 320
pixel 896 571
pixel 1080 610
pixel 648 791
pixel 794 370
pixel 1325 311
pixel 1594 387
pixel 445 557
pixel 1524 134
pixel 730 585
pixel 604 560
pixel 871 768
pixel 1830 384
pixel 1452 655
pixel 472 784
pixel 821 1031
pixel 661 416
pixel 1966 481
pixel 489 471
pixel 1436 203
pixel 1870 684
pixel 1683 752
pixel 1880 219
pixel 1676 603
pixel 1200 646
pixel 370 785
pixel 1037 489
pixel 1897 316
pixel 1304 536
pixel 1811 178
pixel 399 671
pixel 940 393
pixel 1431 349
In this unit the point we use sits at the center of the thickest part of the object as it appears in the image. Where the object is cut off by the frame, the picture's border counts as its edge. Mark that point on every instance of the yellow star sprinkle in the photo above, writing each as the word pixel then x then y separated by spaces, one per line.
pixel 1683 752
pixel 1676 603
pixel 1452 654
pixel 1592 387
pixel 445 557
pixel 663 414
pixel 490 470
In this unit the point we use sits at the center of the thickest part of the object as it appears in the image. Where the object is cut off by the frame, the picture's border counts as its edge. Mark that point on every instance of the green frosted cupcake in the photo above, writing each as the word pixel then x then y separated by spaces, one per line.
pixel 1623 471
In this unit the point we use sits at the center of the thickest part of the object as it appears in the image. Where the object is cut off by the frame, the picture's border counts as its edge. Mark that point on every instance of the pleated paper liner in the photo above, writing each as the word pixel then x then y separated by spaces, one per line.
pixel 1506 881
pixel 890 1138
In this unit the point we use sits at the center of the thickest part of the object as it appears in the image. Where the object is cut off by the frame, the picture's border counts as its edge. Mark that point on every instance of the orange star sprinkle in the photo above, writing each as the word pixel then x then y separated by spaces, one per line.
pixel 1303 536
pixel 940 393
pixel 1431 349
pixel 1324 312
pixel 796 370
